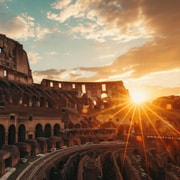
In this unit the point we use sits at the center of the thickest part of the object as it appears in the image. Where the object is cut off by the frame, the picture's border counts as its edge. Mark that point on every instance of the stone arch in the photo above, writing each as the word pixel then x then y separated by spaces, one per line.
pixel 25 100
pixel 4 84
pixel 3 96
pixel 13 95
pixel 21 133
pixel 56 129
pixel 104 95
pixel 42 102
pixel 34 101
pixel 2 135
pixel 49 104
pixel 38 131
pixel 47 131
pixel 105 99
pixel 12 135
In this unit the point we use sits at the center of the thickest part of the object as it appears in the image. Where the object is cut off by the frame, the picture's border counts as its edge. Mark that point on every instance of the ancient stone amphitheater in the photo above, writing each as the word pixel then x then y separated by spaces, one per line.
pixel 78 130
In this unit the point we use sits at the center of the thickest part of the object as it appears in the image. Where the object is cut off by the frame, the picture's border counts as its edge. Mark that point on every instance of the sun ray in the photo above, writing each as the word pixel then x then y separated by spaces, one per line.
pixel 128 136
pixel 139 110
pixel 165 122
pixel 154 128
pixel 142 133
pixel 122 120
pixel 108 109
pixel 127 105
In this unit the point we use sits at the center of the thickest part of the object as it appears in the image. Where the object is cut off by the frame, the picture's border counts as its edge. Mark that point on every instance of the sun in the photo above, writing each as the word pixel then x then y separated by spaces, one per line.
pixel 138 96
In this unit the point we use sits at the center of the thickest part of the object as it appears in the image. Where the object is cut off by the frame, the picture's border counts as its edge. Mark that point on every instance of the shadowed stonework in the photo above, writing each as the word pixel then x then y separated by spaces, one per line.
pixel 80 130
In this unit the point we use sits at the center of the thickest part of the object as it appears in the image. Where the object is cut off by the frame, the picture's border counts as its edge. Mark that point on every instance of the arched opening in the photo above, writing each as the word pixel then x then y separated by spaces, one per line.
pixel 38 131
pixel 104 95
pixel 3 95
pixel 49 104
pixel 47 131
pixel 2 135
pixel 34 101
pixel 56 129
pixel 25 100
pixel 12 135
pixel 42 102
pixel 105 100
pixel 21 133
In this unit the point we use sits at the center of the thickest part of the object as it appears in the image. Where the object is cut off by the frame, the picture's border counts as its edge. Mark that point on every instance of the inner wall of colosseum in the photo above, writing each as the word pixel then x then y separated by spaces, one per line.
pixel 80 130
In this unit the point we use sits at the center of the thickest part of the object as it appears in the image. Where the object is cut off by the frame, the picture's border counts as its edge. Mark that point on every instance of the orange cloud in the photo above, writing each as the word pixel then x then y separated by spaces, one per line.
pixel 155 19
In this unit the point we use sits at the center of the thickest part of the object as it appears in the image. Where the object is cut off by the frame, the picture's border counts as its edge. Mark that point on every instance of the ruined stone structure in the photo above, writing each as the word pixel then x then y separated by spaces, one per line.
pixel 168 102
pixel 14 63
pixel 36 118
pixel 29 110
pixel 104 161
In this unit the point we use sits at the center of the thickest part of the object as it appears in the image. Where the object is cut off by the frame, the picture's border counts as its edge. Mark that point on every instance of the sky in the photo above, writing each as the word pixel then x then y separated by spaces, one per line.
pixel 136 41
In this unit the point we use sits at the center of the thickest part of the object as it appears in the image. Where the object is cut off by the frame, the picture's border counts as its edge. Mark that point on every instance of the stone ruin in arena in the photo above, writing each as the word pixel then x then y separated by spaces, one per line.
pixel 36 118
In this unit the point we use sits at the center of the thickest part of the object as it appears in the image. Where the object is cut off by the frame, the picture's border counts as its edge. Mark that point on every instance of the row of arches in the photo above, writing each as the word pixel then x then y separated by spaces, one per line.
pixel 34 101
pixel 47 130
pixel 33 96
pixel 10 135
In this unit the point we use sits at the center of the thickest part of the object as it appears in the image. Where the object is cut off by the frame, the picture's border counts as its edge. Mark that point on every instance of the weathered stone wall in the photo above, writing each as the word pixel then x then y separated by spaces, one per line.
pixel 14 63
pixel 112 90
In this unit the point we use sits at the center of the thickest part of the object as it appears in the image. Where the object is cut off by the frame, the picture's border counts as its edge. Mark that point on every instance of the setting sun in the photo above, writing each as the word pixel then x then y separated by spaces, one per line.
pixel 138 96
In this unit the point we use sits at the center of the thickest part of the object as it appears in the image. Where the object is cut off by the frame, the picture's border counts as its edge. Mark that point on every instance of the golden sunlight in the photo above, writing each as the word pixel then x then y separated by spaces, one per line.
pixel 138 96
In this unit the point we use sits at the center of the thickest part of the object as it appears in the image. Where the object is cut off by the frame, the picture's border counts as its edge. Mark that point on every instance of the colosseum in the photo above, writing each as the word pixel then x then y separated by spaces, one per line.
pixel 79 130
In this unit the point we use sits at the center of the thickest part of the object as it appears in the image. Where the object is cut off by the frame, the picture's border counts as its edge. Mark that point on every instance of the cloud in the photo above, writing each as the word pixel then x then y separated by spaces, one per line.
pixel 52 53
pixel 155 56
pixel 118 20
pixel 21 26
pixel 163 53
pixel 68 10
pixel 162 78
pixel 41 32
pixel 1 1
pixel 162 16
pixel 66 54
pixel 63 74
pixel 92 74
pixel 115 20
pixel 124 21
pixel 34 57
pixel 106 56
pixel 158 91
pixel 61 4
pixel 155 84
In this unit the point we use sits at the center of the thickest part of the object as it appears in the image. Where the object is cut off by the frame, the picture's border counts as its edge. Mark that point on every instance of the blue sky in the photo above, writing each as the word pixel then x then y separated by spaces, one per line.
pixel 136 41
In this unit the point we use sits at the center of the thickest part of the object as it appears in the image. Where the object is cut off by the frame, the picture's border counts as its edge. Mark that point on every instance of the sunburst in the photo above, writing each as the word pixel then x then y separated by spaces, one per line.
pixel 138 96
pixel 144 114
